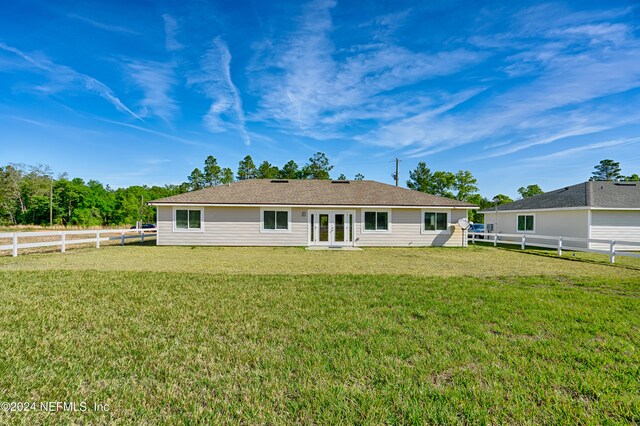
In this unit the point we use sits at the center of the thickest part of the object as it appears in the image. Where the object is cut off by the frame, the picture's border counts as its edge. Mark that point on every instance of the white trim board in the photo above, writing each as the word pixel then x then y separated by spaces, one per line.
pixel 560 209
pixel 313 206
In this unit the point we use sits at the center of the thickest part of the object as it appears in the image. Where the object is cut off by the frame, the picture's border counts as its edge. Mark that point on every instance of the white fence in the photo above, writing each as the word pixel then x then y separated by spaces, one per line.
pixel 559 243
pixel 97 236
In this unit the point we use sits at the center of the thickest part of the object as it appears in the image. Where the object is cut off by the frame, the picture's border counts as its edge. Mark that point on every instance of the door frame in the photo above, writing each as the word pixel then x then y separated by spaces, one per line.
pixel 331 213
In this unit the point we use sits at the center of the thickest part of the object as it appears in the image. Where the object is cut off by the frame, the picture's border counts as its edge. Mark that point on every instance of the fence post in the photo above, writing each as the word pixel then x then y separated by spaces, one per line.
pixel 560 246
pixel 15 244
pixel 122 239
pixel 97 239
pixel 142 236
pixel 63 246
pixel 473 238
pixel 495 240
pixel 612 252
pixel 524 239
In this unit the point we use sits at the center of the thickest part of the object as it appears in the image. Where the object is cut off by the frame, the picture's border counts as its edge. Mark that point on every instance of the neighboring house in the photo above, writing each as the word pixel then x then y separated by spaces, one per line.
pixel 263 212
pixel 597 210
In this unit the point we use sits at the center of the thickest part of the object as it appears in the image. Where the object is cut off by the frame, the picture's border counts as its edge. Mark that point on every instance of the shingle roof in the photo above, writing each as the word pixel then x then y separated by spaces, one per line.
pixel 587 194
pixel 311 192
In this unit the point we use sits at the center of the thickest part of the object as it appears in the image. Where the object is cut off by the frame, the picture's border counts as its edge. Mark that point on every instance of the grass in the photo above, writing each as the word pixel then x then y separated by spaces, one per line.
pixel 481 261
pixel 272 336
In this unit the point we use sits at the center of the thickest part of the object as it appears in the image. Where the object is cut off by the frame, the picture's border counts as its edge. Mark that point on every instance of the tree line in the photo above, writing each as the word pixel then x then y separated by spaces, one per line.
pixel 212 174
pixel 31 195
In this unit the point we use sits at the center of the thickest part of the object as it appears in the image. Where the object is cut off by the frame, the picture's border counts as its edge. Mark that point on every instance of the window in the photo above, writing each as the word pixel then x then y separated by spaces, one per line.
pixel 525 223
pixel 435 221
pixel 376 221
pixel 188 219
pixel 275 220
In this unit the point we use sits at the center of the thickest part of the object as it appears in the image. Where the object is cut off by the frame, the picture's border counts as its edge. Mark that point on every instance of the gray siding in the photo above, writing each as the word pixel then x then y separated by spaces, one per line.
pixel 406 225
pixel 615 225
pixel 240 226
pixel 232 226
pixel 559 223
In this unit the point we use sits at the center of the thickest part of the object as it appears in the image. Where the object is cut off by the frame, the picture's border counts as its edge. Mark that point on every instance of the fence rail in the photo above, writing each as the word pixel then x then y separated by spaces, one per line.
pixel 560 243
pixel 98 236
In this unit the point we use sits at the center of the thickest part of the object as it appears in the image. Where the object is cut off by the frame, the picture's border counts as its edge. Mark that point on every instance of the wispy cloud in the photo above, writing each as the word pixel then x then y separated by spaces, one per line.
pixel 103 26
pixel 156 80
pixel 171 30
pixel 65 78
pixel 214 78
pixel 589 147
pixel 155 132
pixel 565 66
pixel 311 87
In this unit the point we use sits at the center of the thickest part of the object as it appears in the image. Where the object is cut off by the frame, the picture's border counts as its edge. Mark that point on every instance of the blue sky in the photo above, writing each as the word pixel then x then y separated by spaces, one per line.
pixel 141 92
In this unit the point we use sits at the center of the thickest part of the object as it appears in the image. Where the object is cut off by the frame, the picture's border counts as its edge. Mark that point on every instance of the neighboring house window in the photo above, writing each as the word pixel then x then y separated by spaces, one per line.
pixel 188 219
pixel 526 223
pixel 435 221
pixel 275 220
pixel 376 221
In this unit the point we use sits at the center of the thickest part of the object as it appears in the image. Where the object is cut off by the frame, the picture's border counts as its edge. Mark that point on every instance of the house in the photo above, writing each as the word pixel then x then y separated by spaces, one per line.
pixel 594 210
pixel 336 213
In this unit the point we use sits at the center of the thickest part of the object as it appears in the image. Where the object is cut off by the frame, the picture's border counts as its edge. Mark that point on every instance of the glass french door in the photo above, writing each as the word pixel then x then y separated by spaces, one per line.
pixel 331 228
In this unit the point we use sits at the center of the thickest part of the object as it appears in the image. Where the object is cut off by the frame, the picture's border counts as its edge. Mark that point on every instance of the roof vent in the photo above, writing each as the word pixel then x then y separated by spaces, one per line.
pixel 339 181
pixel 279 181
pixel 624 184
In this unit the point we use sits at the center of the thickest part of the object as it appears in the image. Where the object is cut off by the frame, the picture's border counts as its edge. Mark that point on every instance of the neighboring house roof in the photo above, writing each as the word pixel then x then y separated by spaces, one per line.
pixel 311 192
pixel 600 194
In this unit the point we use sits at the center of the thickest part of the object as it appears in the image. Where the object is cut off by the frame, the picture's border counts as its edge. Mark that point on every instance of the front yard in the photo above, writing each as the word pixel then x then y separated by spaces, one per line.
pixel 270 335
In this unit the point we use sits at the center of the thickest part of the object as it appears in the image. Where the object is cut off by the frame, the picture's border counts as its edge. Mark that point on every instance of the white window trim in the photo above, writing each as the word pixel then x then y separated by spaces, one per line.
pixel 275 209
pixel 534 223
pixel 436 232
pixel 176 208
pixel 377 231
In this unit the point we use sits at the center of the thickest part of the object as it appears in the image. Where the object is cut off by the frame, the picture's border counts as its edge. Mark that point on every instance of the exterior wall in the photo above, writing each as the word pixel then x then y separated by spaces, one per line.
pixel 240 226
pixel 558 223
pixel 406 225
pixel 618 225
pixel 231 226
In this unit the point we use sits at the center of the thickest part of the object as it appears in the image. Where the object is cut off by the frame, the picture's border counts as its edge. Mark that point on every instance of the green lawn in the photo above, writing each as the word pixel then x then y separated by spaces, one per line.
pixel 268 335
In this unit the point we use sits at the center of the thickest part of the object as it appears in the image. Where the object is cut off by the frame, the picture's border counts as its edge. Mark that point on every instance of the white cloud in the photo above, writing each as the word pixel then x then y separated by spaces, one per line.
pixel 65 78
pixel 156 79
pixel 171 30
pixel 590 147
pixel 103 26
pixel 226 111
pixel 570 66
pixel 310 87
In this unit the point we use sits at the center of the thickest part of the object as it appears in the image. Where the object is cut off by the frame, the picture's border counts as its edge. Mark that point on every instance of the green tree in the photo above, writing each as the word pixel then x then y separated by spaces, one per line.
pixel 211 172
pixel 443 183
pixel 226 176
pixel 530 191
pixel 342 176
pixel 359 176
pixel 318 167
pixel 465 185
pixel 633 178
pixel 606 170
pixel 482 203
pixel 196 180
pixel 246 169
pixel 501 199
pixel 290 171
pixel 267 170
pixel 420 178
